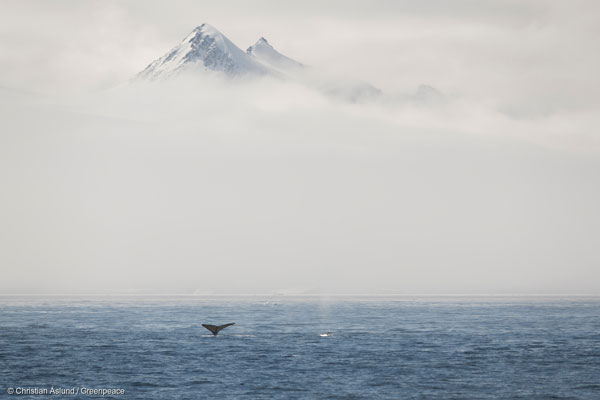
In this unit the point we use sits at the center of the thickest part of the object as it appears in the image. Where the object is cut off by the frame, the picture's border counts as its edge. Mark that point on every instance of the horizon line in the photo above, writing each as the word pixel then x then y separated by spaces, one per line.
pixel 301 294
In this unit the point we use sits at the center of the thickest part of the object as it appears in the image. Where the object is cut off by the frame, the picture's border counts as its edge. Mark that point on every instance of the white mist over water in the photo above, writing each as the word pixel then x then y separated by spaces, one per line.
pixel 206 185
pixel 213 186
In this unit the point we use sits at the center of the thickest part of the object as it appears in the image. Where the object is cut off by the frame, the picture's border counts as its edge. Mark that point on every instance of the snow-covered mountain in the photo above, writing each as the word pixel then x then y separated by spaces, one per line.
pixel 205 48
pixel 266 54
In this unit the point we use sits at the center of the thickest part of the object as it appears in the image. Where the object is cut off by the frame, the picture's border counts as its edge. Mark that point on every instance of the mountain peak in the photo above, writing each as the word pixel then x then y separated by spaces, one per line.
pixel 207 29
pixel 206 35
pixel 262 41
pixel 265 53
pixel 204 48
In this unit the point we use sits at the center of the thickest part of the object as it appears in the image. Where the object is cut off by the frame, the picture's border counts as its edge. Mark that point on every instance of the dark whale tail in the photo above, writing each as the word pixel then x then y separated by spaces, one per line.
pixel 215 329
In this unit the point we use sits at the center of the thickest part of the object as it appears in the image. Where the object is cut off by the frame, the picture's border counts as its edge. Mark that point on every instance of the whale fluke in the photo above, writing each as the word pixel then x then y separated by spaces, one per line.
pixel 215 329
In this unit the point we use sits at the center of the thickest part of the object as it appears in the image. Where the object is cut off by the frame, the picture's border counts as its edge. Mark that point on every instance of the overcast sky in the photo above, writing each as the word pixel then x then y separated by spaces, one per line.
pixel 265 187
pixel 508 52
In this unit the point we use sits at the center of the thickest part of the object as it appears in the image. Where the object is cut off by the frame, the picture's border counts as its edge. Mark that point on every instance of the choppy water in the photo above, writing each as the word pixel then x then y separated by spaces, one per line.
pixel 155 348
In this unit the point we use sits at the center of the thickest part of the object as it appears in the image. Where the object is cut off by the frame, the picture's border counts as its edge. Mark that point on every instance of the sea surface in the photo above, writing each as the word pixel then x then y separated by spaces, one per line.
pixel 379 348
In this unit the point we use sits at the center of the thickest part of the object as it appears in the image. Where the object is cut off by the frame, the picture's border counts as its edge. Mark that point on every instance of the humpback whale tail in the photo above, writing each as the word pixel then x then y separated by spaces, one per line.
pixel 215 329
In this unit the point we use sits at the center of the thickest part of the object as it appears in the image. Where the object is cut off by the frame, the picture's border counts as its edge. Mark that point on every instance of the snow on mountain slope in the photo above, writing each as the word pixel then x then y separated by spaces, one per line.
pixel 204 48
pixel 265 53
pixel 348 90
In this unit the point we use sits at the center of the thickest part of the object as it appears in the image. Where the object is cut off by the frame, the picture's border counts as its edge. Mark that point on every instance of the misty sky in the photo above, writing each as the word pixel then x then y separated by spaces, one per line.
pixel 261 187
pixel 510 52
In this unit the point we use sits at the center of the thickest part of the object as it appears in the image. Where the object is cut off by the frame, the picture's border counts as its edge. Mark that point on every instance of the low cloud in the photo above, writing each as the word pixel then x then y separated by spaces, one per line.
pixel 210 185
pixel 217 186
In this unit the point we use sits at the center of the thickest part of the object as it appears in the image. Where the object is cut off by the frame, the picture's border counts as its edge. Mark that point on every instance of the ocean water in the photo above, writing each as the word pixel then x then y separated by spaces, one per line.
pixel 380 348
